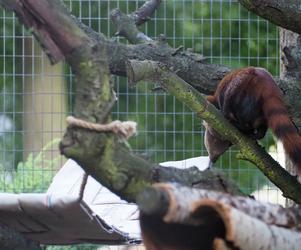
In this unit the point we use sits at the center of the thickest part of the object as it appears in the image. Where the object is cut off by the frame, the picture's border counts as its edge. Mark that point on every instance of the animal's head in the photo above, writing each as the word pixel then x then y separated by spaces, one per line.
pixel 213 143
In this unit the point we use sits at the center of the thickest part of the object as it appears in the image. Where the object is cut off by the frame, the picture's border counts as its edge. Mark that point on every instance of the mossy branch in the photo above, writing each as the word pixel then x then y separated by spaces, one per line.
pixel 111 162
pixel 249 149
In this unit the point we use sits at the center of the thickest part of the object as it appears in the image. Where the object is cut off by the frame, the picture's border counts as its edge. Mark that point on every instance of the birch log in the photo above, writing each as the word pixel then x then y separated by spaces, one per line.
pixel 228 222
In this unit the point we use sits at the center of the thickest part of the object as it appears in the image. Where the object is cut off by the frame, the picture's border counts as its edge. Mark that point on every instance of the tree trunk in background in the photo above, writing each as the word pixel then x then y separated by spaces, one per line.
pixel 45 103
pixel 288 70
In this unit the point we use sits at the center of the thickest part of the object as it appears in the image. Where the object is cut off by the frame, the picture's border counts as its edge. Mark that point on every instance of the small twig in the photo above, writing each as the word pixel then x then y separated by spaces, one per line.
pixel 127 28
pixel 82 186
pixel 127 24
pixel 122 129
pixel 144 13
pixel 180 48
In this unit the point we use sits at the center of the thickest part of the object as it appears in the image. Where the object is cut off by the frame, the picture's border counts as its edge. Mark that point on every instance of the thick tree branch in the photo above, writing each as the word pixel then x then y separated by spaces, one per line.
pixel 110 162
pixel 250 150
pixel 191 67
pixel 157 200
pixel 284 13
pixel 210 217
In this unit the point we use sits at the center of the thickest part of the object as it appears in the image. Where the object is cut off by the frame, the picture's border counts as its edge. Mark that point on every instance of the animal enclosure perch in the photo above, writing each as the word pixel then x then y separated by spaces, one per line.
pixel 167 129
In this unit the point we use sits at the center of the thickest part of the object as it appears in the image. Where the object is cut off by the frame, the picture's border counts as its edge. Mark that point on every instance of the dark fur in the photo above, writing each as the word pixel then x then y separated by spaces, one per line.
pixel 250 99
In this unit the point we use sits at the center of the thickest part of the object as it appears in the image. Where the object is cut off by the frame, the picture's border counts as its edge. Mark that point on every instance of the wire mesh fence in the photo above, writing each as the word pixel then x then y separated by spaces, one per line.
pixel 36 97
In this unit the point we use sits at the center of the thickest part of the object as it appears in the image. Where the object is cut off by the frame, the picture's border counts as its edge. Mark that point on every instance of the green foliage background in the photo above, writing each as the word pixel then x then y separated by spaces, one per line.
pixel 222 31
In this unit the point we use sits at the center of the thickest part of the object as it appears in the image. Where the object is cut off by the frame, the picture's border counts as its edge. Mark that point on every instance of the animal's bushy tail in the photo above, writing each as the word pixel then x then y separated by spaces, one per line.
pixel 282 126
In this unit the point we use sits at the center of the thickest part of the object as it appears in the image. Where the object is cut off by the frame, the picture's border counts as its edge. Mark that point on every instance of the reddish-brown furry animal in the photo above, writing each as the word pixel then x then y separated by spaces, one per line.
pixel 250 99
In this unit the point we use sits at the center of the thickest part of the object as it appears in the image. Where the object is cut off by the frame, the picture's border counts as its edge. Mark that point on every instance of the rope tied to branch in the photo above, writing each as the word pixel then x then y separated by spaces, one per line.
pixel 124 130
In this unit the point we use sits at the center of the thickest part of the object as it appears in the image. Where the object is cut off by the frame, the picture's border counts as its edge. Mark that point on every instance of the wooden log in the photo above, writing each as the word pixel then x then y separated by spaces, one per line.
pixel 217 220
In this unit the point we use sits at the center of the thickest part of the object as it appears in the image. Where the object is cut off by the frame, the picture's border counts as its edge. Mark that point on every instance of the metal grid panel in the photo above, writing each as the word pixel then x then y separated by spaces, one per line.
pixel 35 98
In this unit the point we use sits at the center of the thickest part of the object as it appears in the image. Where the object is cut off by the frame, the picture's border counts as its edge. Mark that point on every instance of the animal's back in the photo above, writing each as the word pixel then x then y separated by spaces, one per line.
pixel 241 95
pixel 250 99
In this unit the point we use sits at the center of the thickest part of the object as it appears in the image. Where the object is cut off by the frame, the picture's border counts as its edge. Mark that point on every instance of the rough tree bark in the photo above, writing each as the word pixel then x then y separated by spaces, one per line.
pixel 92 58
pixel 290 70
pixel 218 221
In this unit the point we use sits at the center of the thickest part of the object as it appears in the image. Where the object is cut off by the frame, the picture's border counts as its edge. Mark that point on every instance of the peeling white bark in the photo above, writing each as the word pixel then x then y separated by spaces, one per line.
pixel 183 200
pixel 240 222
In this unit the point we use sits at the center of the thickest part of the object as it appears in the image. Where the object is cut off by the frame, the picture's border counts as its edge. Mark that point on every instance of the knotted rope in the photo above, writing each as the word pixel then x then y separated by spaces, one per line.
pixel 123 129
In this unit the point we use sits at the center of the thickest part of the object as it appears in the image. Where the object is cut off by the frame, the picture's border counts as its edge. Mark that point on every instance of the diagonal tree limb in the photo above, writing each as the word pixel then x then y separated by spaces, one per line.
pixel 249 149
